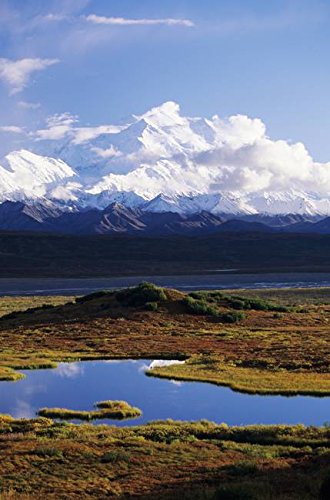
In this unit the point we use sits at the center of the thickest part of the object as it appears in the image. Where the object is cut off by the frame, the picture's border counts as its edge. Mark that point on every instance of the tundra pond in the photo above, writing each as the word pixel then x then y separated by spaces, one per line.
pixel 78 385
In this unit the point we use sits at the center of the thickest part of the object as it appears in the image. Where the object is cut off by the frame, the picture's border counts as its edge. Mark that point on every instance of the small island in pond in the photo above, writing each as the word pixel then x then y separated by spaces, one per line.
pixel 116 410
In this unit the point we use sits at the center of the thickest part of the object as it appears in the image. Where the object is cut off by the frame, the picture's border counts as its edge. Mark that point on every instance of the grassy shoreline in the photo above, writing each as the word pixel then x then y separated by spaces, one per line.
pixel 246 381
pixel 279 345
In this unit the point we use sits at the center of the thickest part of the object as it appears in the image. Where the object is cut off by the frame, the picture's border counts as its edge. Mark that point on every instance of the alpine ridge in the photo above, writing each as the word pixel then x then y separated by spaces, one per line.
pixel 119 219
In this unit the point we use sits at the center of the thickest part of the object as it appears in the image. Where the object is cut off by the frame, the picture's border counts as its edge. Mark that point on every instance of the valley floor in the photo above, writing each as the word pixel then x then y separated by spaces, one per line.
pixel 278 342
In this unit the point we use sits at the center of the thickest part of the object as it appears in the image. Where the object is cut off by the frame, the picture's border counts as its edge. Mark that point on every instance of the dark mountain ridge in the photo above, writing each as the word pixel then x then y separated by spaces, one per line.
pixel 120 219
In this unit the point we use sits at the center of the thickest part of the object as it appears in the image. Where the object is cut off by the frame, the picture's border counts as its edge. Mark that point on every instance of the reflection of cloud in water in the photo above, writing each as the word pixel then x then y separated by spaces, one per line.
pixel 176 383
pixel 29 390
pixel 69 370
pixel 160 363
pixel 23 409
pixel 143 368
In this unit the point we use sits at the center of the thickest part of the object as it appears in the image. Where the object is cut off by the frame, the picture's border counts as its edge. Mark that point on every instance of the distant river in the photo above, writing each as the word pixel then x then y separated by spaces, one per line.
pixel 220 279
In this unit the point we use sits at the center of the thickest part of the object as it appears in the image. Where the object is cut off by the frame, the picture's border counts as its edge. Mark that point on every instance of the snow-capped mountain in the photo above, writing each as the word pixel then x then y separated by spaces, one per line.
pixel 162 161
pixel 25 175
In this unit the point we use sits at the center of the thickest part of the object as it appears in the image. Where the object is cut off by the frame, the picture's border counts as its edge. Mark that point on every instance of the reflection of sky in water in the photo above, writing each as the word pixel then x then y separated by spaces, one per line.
pixel 80 385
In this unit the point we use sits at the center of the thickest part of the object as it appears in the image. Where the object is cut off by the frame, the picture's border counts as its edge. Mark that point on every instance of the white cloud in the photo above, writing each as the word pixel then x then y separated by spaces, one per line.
pixel 58 126
pixel 16 74
pixel 121 21
pixel 189 155
pixel 11 129
pixel 28 105
pixel 53 17
pixel 62 125
pixel 111 152
pixel 84 134
pixel 244 158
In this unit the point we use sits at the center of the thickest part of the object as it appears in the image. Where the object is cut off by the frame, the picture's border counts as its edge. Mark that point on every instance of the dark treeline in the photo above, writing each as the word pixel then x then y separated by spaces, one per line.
pixel 33 254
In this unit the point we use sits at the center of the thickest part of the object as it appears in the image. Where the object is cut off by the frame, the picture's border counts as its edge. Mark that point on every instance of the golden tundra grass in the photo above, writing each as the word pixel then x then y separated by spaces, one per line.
pixel 164 460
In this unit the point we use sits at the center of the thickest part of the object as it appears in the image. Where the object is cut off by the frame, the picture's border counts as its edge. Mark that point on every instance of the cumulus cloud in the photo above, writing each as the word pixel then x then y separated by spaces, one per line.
pixel 16 74
pixel 164 152
pixel 245 158
pixel 122 21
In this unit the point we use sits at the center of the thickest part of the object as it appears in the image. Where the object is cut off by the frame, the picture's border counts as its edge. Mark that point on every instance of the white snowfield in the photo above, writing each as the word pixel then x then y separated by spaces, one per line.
pixel 163 161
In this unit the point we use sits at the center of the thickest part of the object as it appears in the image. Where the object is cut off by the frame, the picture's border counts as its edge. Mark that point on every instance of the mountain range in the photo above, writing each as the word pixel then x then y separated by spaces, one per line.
pixel 117 219
pixel 162 172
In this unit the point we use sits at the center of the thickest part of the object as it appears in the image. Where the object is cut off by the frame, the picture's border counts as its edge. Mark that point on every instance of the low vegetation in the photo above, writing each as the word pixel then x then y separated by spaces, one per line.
pixel 164 460
pixel 238 301
pixel 116 410
pixel 253 341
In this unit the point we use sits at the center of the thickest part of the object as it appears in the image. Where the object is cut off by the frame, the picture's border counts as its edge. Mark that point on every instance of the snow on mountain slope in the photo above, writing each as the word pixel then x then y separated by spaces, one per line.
pixel 26 175
pixel 163 161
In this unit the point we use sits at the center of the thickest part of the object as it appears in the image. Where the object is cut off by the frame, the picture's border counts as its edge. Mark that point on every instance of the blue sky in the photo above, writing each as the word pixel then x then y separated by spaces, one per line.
pixel 103 60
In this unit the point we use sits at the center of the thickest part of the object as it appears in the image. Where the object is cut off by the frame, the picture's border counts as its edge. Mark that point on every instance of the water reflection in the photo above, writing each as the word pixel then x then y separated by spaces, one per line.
pixel 69 370
pixel 79 385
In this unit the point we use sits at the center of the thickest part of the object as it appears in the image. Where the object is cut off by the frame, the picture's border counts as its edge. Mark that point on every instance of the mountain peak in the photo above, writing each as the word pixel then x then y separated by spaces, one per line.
pixel 167 114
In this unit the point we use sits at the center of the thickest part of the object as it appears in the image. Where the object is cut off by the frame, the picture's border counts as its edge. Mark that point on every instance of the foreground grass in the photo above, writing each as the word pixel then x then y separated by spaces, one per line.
pixel 116 410
pixel 165 460
pixel 257 341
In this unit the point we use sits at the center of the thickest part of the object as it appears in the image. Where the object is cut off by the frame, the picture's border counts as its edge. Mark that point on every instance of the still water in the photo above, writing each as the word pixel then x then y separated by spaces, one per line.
pixel 79 385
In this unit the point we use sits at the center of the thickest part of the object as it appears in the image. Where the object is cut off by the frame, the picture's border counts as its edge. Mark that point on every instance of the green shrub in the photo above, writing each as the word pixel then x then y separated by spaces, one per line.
pixel 246 303
pixel 199 307
pixel 141 295
pixel 231 317
pixel 151 306
pixel 213 296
